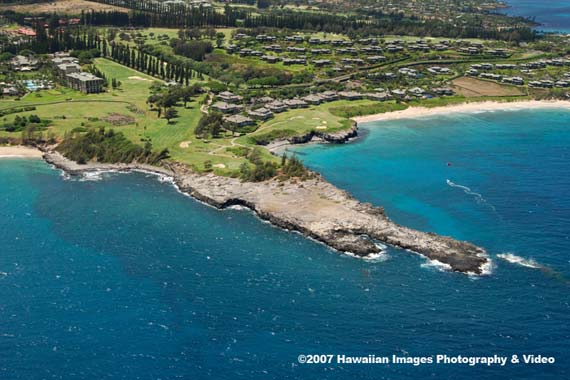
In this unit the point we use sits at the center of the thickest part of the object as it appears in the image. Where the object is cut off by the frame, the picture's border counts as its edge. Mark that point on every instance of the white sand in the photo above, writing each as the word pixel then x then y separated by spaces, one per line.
pixel 136 77
pixel 20 151
pixel 415 112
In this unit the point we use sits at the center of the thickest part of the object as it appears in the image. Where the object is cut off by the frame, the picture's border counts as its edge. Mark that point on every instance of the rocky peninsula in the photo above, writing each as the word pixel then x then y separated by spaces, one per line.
pixel 314 207
pixel 340 137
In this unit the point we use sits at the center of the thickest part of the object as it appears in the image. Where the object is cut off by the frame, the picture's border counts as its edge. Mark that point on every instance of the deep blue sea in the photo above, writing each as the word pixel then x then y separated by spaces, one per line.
pixel 122 277
pixel 554 15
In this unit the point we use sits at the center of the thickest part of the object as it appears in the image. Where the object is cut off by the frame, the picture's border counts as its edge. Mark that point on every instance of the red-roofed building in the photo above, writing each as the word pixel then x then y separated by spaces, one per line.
pixel 26 32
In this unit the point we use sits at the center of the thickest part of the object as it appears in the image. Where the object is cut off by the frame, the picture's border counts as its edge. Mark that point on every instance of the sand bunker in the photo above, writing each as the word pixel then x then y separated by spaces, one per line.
pixel 185 144
pixel 118 119
pixel 136 77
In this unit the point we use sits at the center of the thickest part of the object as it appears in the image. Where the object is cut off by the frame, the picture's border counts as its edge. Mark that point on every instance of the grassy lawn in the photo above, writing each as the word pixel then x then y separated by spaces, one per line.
pixel 390 38
pixel 453 100
pixel 301 121
pixel 240 64
pixel 69 109
pixel 68 7
pixel 155 36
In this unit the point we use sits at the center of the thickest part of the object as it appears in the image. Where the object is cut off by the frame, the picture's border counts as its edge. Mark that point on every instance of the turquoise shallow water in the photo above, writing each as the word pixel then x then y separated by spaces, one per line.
pixel 125 278
pixel 554 15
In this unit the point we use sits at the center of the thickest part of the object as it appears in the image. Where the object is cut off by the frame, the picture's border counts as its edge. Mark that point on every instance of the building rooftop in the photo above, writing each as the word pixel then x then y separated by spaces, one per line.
pixel 84 77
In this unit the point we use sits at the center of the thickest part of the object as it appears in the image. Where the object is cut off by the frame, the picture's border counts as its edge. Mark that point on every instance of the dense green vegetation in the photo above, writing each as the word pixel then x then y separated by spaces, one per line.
pixel 108 146
pixel 195 50
pixel 348 111
pixel 21 123
pixel 16 110
pixel 155 14
pixel 258 170
pixel 267 137
pixel 164 77
pixel 210 125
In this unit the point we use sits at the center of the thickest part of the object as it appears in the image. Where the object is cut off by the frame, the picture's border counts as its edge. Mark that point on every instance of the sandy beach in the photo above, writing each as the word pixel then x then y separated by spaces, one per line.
pixel 415 112
pixel 20 151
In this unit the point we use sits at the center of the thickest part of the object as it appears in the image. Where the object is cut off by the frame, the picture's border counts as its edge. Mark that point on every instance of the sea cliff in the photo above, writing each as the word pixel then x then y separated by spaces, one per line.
pixel 313 207
pixel 340 137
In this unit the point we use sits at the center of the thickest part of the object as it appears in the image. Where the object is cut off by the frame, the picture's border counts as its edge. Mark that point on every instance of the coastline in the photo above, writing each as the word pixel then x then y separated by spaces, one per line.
pixel 280 146
pixel 475 107
pixel 19 151
pixel 314 208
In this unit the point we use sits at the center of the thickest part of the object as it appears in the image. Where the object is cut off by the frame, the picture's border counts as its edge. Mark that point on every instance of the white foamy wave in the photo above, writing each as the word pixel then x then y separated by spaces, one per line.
pixel 514 259
pixel 65 176
pixel 438 265
pixel 165 179
pixel 86 176
pixel 91 176
pixel 486 270
pixel 381 246
pixel 478 197
pixel 373 257
pixel 237 208
pixel 377 257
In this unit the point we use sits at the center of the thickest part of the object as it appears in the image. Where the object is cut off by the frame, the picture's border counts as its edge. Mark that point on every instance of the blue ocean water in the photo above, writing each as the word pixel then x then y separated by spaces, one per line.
pixel 125 278
pixel 554 15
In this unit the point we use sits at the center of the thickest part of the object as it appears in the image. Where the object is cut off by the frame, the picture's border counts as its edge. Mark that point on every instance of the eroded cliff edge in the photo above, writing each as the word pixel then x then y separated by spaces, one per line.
pixel 314 208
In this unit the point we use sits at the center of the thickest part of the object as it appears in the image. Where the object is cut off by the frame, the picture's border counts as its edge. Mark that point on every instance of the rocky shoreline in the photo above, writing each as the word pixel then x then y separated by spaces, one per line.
pixel 315 208
pixel 315 137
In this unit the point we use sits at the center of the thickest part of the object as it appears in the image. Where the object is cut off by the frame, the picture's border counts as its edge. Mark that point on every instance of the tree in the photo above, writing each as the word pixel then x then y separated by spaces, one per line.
pixel 209 124
pixel 188 92
pixel 170 113
pixel 262 4
pixel 220 39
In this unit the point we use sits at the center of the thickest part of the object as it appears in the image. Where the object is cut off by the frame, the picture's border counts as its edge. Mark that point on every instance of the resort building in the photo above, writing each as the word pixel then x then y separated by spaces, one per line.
pixel 271 58
pixel 238 121
pixel 276 107
pixel 85 82
pixel 378 96
pixel 313 99
pixel 261 114
pixel 329 96
pixel 514 80
pixel 350 95
pixel 443 91
pixel 68 68
pixel 21 63
pixel 64 60
pixel 227 108
pixel 10 90
pixel 229 97
pixel 376 58
pixel 295 103
pixel 264 100
pixel 322 62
